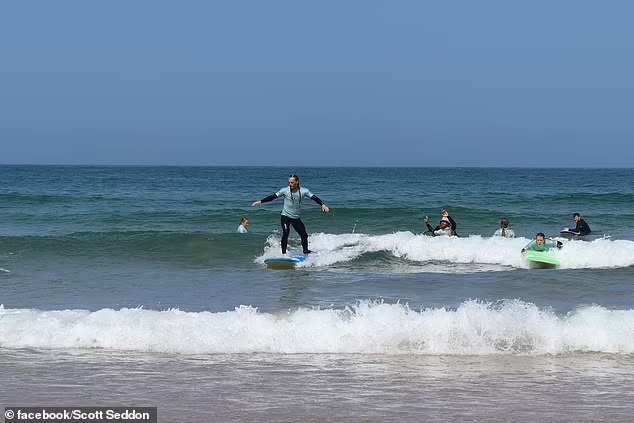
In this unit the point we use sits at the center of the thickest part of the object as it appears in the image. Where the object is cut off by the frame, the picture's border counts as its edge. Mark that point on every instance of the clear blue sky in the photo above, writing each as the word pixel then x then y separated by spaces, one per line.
pixel 318 83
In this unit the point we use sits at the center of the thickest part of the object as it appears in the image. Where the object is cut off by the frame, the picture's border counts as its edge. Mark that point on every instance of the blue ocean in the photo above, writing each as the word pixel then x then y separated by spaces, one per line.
pixel 130 286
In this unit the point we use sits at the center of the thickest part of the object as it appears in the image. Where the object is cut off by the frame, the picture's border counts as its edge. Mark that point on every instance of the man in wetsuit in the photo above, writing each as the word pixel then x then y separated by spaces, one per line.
pixel 582 227
pixel 293 195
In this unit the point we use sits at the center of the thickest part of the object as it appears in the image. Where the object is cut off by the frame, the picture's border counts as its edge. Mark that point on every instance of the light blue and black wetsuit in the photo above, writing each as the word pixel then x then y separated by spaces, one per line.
pixel 290 213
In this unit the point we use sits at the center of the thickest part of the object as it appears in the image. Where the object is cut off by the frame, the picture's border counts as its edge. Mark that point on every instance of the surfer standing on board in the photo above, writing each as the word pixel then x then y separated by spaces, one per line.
pixel 293 195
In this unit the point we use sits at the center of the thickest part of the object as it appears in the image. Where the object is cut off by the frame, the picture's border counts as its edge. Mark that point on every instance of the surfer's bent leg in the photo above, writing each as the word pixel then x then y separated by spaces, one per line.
pixel 299 227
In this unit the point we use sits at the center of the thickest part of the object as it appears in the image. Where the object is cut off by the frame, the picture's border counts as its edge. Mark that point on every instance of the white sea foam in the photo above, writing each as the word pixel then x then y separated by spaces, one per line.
pixel 475 328
pixel 474 253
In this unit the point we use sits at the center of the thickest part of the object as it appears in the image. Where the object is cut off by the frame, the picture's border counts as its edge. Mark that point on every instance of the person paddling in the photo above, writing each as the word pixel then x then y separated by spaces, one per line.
pixel 540 243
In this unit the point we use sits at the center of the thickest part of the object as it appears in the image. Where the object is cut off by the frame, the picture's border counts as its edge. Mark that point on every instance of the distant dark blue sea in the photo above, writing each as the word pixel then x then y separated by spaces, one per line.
pixel 131 286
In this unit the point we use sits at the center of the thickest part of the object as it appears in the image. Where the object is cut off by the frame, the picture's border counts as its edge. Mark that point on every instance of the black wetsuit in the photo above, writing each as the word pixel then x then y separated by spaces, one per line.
pixel 299 227
pixel 582 228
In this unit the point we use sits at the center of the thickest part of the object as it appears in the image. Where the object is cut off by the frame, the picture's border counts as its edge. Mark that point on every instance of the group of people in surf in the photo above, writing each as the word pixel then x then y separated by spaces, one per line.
pixel 447 227
pixel 540 243
pixel 290 217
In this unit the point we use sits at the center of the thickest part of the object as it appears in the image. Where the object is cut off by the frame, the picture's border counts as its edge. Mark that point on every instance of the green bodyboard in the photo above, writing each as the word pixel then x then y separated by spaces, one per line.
pixel 544 257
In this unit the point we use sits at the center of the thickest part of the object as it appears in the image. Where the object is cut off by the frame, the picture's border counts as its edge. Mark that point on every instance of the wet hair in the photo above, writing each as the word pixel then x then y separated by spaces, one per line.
pixel 244 219
pixel 294 176
pixel 504 222
pixel 540 234
pixel 576 215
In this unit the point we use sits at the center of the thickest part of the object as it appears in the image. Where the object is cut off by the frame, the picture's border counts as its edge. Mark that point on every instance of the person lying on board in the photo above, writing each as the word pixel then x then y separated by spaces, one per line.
pixel 504 230
pixel 582 227
pixel 446 227
pixel 540 243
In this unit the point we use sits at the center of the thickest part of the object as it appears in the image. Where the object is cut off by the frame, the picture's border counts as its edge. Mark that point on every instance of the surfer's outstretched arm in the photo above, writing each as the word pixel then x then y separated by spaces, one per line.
pixel 265 200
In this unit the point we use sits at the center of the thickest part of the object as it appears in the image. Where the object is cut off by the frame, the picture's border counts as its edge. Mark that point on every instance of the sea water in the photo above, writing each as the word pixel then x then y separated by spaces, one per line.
pixel 131 286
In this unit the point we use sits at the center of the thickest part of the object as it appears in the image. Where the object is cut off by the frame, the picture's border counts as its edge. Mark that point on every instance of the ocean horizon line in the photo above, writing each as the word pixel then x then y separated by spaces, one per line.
pixel 114 165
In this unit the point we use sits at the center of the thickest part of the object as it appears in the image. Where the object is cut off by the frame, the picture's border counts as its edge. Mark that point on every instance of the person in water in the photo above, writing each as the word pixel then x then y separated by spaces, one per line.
pixel 582 227
pixel 540 243
pixel 504 230
pixel 446 227
pixel 244 224
pixel 293 195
